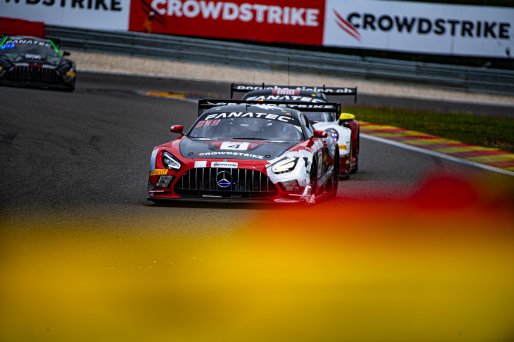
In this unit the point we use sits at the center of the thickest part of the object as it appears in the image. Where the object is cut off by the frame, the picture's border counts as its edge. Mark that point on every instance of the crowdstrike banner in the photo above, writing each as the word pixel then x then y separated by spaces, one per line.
pixel 367 24
pixel 94 14
pixel 421 28
pixel 285 21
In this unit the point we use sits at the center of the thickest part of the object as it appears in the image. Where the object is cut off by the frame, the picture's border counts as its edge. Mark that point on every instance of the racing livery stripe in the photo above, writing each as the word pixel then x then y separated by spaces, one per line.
pixel 478 154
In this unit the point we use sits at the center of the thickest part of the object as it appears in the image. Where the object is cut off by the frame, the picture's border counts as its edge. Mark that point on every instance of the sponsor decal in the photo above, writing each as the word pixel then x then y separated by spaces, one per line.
pixel 230 11
pixel 217 116
pixel 224 179
pixel 12 43
pixel 420 25
pixel 200 163
pixel 159 172
pixel 231 154
pixel 285 91
pixel 227 165
pixel 346 26
pixel 283 98
pixel 8 45
pixel 326 90
pixel 300 21
pixel 31 56
pixel 228 145
pixel 202 123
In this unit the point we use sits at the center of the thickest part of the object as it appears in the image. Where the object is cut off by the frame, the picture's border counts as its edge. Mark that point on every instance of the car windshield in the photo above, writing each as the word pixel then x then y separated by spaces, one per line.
pixel 320 116
pixel 28 47
pixel 246 128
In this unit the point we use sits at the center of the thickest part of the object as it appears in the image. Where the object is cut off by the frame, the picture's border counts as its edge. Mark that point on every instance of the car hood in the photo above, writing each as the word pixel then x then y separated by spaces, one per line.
pixel 32 59
pixel 233 149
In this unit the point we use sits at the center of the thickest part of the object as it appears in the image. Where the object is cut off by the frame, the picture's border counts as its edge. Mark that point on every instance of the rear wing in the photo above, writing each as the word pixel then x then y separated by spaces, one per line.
pixel 332 91
pixel 206 104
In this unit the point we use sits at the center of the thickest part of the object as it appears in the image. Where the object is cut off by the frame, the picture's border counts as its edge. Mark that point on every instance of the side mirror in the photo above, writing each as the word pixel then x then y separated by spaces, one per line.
pixel 346 117
pixel 66 53
pixel 177 129
pixel 320 134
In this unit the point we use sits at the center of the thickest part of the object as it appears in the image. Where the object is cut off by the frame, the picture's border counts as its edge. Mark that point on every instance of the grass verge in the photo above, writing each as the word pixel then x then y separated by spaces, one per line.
pixel 471 129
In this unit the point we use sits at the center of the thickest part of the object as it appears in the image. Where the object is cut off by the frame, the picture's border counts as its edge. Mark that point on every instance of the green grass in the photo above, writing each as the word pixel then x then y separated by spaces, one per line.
pixel 471 129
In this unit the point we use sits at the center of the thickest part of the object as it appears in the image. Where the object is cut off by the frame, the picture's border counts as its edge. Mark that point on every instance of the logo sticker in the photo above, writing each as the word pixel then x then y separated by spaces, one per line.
pixel 227 165
pixel 200 163
pixel 159 172
pixel 224 179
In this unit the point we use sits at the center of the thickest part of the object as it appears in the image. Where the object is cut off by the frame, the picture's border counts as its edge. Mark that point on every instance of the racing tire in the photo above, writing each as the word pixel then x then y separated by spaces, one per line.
pixel 314 183
pixel 158 202
pixel 335 178
pixel 355 168
pixel 346 175
pixel 70 88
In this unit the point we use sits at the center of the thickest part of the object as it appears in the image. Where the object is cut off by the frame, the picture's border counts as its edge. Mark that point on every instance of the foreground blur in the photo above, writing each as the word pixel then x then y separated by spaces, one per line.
pixel 437 266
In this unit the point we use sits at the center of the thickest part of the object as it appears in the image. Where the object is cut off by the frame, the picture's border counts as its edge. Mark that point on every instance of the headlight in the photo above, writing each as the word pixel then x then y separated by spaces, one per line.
pixel 170 162
pixel 333 133
pixel 64 67
pixel 286 164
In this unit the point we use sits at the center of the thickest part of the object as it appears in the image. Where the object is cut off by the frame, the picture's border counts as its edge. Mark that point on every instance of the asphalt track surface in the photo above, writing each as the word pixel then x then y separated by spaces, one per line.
pixel 87 152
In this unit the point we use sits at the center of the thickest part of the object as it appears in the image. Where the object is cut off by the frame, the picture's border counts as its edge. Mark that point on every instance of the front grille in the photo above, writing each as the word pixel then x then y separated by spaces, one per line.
pixel 243 183
pixel 28 73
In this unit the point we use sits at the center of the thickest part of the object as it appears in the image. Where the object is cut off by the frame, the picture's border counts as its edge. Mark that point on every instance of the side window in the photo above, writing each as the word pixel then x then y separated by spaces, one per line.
pixel 309 130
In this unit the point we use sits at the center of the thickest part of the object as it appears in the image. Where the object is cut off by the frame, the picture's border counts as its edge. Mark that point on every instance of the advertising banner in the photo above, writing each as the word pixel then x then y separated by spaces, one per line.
pixel 420 27
pixel 94 14
pixel 286 21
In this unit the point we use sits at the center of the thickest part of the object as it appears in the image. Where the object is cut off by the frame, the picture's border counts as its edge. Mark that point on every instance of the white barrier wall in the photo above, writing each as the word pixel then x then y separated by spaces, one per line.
pixel 420 27
pixel 94 14
pixel 367 24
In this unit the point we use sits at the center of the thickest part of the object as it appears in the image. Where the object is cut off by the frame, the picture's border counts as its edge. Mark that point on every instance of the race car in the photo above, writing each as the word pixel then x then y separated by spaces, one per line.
pixel 341 126
pixel 247 151
pixel 31 61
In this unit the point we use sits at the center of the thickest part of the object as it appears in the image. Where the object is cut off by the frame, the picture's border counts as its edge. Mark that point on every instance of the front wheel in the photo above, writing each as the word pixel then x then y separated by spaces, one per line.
pixel 356 153
pixel 347 167
pixel 335 177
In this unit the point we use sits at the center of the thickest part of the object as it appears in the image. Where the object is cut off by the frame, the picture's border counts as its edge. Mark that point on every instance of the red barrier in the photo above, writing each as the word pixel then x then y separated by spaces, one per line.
pixel 257 20
pixel 21 27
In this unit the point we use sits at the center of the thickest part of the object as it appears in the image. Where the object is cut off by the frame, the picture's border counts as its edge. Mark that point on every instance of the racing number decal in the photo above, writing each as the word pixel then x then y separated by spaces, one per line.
pixel 235 146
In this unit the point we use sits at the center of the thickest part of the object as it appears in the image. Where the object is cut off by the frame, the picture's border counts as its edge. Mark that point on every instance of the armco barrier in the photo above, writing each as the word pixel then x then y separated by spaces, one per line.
pixel 278 58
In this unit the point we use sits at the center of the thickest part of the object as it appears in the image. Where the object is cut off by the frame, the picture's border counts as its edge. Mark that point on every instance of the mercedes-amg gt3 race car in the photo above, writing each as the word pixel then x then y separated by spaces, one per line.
pixel 247 151
pixel 30 61
pixel 341 126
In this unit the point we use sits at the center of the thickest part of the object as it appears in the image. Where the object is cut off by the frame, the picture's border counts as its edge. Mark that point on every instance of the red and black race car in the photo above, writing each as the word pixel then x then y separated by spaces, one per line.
pixel 341 126
pixel 31 61
pixel 247 151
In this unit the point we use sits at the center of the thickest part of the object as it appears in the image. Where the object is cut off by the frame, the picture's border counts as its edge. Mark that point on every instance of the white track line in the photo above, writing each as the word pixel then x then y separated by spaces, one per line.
pixel 438 155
